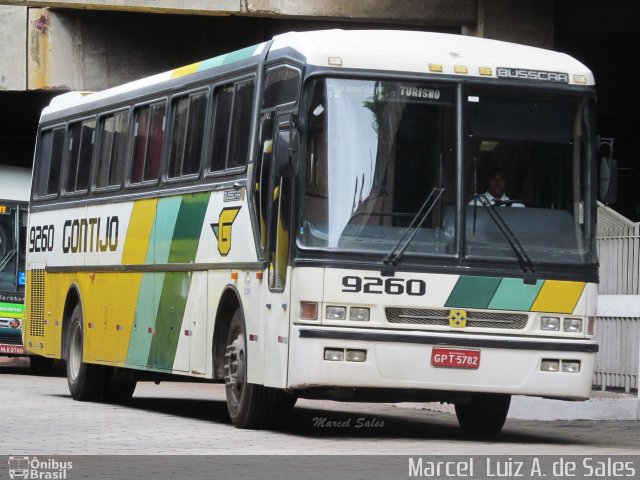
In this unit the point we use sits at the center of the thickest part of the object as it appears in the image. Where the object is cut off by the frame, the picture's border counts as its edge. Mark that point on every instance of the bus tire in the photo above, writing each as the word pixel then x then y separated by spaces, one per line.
pixel 86 382
pixel 249 405
pixel 484 415
pixel 117 389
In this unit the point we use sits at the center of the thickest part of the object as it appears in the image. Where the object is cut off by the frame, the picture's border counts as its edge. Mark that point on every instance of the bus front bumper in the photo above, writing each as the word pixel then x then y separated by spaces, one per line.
pixel 407 360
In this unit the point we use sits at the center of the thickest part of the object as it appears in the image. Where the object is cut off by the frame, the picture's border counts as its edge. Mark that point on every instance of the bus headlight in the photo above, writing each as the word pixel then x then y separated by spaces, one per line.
pixel 549 365
pixel 572 325
pixel 334 354
pixel 571 366
pixel 550 323
pixel 359 314
pixel 336 313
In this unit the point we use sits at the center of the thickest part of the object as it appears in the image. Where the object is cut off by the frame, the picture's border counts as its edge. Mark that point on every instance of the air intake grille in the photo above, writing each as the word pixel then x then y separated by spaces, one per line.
pixel 415 316
pixel 36 303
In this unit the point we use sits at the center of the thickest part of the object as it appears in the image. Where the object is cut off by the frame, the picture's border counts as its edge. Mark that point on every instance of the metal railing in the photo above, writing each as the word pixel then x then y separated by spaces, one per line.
pixel 619 254
pixel 618 361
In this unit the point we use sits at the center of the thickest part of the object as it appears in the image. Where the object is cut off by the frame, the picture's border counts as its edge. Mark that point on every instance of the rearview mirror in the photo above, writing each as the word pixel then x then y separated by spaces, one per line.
pixel 286 154
pixel 608 191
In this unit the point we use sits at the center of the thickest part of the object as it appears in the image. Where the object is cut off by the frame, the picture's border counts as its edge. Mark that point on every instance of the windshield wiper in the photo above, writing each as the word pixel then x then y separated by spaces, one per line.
pixel 391 260
pixel 530 276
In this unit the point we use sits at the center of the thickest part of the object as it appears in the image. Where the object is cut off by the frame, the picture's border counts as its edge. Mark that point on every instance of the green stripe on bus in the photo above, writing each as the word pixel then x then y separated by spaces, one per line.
pixel 227 58
pixel 239 54
pixel 473 292
pixel 188 227
pixel 173 301
pixel 175 289
pixel 141 349
pixel 514 294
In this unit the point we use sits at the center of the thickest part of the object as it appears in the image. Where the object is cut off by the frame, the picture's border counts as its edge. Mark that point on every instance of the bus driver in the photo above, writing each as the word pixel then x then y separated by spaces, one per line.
pixel 496 184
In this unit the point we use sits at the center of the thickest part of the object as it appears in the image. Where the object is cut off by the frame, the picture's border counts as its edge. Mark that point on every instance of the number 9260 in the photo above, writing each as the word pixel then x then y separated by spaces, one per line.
pixel 390 286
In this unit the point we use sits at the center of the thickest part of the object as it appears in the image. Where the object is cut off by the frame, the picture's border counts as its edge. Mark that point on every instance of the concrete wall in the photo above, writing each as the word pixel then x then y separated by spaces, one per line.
pixel 426 12
pixel 520 21
pixel 13 38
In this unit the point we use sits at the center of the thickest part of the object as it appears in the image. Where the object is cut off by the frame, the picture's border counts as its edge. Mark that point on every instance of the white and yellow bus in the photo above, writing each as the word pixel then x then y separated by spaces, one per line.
pixel 315 216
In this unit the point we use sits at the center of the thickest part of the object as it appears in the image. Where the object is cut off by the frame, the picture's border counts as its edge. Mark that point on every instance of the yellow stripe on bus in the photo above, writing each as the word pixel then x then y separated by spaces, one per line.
pixel 186 70
pixel 139 232
pixel 558 296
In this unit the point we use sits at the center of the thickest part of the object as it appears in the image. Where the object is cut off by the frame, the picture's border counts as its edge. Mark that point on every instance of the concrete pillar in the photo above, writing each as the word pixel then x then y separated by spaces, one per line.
pixel 52 46
pixel 518 21
pixel 13 37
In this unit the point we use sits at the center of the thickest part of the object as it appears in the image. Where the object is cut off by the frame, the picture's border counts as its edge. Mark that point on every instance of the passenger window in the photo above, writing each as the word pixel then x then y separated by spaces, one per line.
pixel 187 134
pixel 50 148
pixel 148 137
pixel 113 146
pixel 280 86
pixel 81 140
pixel 232 125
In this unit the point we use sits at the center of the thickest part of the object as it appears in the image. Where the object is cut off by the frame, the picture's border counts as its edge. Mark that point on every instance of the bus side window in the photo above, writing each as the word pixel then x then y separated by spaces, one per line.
pixel 281 86
pixel 50 148
pixel 148 138
pixel 187 134
pixel 113 143
pixel 81 140
pixel 232 125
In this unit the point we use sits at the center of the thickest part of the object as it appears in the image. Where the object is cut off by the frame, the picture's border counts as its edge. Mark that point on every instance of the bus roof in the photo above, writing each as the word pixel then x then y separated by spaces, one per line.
pixel 394 50
pixel 412 51
pixel 15 183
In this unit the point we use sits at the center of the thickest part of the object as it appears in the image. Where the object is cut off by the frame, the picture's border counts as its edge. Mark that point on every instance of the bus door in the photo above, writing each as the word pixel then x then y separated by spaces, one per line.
pixel 278 294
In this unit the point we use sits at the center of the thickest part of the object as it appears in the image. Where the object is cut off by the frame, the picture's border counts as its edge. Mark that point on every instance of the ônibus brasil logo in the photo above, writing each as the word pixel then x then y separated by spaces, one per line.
pixel 34 468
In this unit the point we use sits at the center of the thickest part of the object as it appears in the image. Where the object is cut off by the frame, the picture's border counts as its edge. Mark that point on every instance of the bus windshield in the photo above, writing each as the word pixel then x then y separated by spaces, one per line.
pixel 12 226
pixel 376 149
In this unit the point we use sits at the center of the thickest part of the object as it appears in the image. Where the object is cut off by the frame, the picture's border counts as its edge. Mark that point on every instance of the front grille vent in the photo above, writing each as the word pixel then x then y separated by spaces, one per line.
pixel 11 339
pixel 36 302
pixel 417 316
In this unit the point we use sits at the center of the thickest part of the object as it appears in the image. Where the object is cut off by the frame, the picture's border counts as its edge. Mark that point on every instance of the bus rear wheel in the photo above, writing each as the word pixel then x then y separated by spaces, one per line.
pixel 484 415
pixel 86 382
pixel 249 405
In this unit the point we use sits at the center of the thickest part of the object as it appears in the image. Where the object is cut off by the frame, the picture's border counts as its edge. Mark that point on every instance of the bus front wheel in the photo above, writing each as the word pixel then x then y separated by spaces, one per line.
pixel 484 415
pixel 85 381
pixel 249 405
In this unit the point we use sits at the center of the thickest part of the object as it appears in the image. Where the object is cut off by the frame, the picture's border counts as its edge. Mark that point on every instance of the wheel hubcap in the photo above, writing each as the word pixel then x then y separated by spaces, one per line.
pixel 75 352
pixel 235 368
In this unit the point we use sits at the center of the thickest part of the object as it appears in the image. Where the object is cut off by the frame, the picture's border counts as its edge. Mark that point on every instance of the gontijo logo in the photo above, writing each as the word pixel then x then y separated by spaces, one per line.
pixel 34 468
pixel 222 229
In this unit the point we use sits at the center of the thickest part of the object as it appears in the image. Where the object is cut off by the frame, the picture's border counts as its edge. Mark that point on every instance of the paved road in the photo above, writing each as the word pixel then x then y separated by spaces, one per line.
pixel 40 418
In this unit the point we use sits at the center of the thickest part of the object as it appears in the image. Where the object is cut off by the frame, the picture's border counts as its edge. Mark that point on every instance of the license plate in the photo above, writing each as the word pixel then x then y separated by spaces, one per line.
pixel 12 349
pixel 455 358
